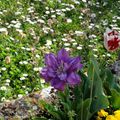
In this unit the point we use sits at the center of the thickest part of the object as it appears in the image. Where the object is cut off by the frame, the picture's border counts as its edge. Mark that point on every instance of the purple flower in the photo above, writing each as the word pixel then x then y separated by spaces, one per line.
pixel 61 69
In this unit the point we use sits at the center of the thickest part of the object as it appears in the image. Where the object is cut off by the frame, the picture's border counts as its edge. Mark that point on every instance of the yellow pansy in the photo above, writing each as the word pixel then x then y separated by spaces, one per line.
pixel 111 117
pixel 117 114
pixel 102 113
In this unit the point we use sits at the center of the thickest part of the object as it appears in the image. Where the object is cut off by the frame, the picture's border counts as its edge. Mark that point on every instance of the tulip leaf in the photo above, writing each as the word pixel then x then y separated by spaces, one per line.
pixel 99 99
pixel 84 113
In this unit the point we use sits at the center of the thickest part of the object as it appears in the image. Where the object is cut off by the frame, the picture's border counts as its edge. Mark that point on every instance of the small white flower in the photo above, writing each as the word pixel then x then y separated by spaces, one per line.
pixel 37 56
pixel 40 68
pixel 53 16
pixel 25 75
pixel 79 33
pixel 118 18
pixel 40 21
pixel 90 45
pixel 7 80
pixel 3 69
pixel 92 36
pixel 103 55
pixel 108 55
pixel 66 44
pixel 23 86
pixel 67 48
pixel 95 50
pixel 42 81
pixel 12 38
pixel 35 107
pixel 4 30
pixel 17 13
pixel 47 8
pixel 84 0
pixel 68 9
pixel 114 21
pixel 63 10
pixel 25 62
pixel 54 40
pixel 79 48
pixel 23 48
pixel 26 92
pixel 7 48
pixel 36 69
pixel 69 20
pixel 28 49
pixel 20 96
pixel 3 88
pixel 90 26
pixel 17 25
pixel 72 40
pixel 1 13
pixel 95 56
pixel 77 2
pixel 48 42
pixel 80 17
pixel 52 11
pixel 58 13
pixel 47 12
pixel 22 78
pixel 75 44
pixel 93 15
pixel 64 39
pixel 21 62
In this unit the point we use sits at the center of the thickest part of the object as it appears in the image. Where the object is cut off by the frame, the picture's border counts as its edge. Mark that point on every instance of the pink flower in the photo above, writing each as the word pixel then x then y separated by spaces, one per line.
pixel 111 39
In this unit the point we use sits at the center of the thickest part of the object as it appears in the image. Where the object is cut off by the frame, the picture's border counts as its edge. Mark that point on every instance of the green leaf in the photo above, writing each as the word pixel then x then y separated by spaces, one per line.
pixel 115 99
pixel 99 99
pixel 84 113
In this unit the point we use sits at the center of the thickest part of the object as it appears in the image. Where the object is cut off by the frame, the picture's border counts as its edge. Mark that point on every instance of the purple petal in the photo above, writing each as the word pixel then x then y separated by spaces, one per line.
pixel 62 76
pixel 73 79
pixel 74 64
pixel 63 55
pixel 50 60
pixel 51 73
pixel 58 84
pixel 44 75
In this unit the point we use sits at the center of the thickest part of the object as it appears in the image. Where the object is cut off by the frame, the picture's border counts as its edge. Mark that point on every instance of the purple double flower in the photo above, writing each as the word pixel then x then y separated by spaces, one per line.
pixel 61 69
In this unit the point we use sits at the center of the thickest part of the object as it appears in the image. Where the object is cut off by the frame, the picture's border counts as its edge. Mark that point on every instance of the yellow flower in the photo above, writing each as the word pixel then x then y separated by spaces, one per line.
pixel 102 113
pixel 111 117
pixel 117 114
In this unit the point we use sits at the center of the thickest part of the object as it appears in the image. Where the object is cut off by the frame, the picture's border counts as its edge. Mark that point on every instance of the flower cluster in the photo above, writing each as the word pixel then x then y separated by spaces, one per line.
pixel 103 115
pixel 61 69
pixel 111 40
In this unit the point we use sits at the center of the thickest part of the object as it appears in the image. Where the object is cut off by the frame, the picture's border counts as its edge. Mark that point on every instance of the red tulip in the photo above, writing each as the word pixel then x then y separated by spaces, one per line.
pixel 111 40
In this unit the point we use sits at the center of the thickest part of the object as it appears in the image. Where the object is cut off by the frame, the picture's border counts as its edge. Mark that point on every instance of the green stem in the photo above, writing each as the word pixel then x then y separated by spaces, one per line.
pixel 91 92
